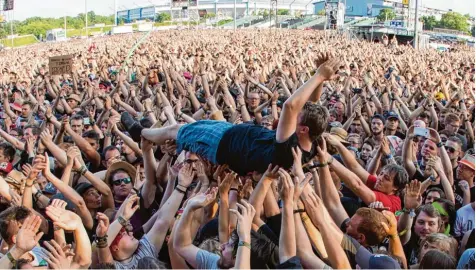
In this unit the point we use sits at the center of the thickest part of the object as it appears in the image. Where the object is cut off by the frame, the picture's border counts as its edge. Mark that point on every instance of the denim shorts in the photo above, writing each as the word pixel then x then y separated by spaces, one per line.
pixel 202 138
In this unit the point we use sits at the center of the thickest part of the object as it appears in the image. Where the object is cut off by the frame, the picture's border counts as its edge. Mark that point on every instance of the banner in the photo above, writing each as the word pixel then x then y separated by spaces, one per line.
pixel 60 65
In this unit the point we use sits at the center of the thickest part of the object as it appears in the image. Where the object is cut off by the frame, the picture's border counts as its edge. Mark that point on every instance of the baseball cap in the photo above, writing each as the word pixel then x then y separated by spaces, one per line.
pixel 392 114
pixel 15 106
pixel 468 160
pixel 367 260
pixel 6 167
pixel 379 116
pixel 81 188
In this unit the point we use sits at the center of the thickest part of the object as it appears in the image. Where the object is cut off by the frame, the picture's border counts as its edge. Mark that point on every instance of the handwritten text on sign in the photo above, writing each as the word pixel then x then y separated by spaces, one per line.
pixel 61 64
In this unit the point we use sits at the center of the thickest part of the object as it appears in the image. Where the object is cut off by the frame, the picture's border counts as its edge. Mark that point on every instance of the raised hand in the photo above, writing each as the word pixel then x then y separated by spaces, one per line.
pixel 297 164
pixel 287 186
pixel 186 175
pixel 225 185
pixel 57 258
pixel 412 197
pixel 378 206
pixel 385 147
pixel 390 226
pixel 63 218
pixel 46 136
pixel 103 224
pixel 271 172
pixel 203 199
pixel 28 235
pixel 72 153
pixel 245 220
pixel 299 185
pixel 328 69
pixel 131 204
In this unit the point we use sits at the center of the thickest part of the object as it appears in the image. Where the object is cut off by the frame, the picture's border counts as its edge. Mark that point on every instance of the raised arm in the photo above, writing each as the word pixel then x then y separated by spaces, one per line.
pixel 331 234
pixel 327 186
pixel 91 154
pixel 295 103
pixel 183 239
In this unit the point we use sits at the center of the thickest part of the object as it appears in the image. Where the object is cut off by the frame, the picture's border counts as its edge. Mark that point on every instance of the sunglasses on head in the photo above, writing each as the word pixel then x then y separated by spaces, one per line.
pixel 118 182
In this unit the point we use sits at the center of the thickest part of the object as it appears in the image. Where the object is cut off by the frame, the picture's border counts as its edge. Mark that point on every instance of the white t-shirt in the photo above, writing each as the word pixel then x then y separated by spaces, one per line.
pixel 464 220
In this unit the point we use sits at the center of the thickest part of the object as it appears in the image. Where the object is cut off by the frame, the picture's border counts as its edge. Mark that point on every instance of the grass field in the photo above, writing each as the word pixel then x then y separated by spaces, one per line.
pixel 19 41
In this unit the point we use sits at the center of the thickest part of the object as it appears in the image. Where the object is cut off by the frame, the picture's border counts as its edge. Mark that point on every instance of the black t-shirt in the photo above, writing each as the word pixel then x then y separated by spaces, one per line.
pixel 459 195
pixel 247 148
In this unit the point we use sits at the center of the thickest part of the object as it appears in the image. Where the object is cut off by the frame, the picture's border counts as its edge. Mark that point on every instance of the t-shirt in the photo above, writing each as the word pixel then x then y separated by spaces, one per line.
pixel 207 260
pixel 391 201
pixel 464 220
pixel 247 148
pixel 145 249
pixel 459 195
pixel 350 248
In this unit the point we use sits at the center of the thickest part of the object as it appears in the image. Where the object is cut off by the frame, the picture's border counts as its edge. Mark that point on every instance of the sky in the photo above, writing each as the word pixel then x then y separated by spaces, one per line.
pixel 59 8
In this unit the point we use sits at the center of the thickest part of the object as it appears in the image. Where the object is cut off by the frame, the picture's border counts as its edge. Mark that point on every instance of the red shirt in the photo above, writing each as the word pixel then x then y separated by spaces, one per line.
pixel 391 201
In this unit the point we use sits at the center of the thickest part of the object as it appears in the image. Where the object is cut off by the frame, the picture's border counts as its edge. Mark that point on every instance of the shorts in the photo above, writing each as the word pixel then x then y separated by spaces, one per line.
pixel 202 138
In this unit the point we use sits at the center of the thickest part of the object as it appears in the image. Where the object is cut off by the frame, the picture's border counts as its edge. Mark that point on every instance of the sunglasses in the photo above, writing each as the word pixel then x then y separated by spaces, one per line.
pixel 118 182
pixel 450 149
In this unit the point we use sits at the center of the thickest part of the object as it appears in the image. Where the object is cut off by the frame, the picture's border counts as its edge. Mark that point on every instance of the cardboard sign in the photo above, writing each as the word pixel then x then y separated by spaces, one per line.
pixel 60 65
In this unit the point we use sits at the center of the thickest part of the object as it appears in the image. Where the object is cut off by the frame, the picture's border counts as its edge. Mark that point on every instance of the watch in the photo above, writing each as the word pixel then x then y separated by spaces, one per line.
pixel 410 212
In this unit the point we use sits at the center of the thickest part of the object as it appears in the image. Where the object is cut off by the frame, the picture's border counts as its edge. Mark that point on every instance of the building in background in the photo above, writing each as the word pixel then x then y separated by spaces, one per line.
pixel 194 9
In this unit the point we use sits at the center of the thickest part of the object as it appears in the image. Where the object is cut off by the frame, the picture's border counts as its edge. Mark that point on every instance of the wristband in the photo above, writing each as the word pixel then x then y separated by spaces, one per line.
pixel 179 190
pixel 179 185
pixel 101 242
pixel 107 134
pixel 82 170
pixel 244 244
pixel 439 145
pixel 122 221
pixel 299 211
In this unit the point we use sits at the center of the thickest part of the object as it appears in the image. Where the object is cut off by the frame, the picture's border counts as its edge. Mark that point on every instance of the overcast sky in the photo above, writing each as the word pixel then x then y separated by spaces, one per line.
pixel 59 8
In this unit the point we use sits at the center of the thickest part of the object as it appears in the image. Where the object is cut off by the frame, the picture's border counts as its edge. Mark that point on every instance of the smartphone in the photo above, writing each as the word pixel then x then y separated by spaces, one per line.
pixel 419 131
pixel 86 121
pixel 397 78
pixel 357 90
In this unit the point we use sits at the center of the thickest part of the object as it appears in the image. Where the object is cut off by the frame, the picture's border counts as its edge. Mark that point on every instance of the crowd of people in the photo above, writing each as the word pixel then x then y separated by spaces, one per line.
pixel 243 149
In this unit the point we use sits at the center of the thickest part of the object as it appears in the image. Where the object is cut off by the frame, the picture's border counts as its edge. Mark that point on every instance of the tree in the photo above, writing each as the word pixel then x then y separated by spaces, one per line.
pixel 386 14
pixel 283 11
pixel 163 17
pixel 429 22
pixel 91 17
pixel 321 12
pixel 454 20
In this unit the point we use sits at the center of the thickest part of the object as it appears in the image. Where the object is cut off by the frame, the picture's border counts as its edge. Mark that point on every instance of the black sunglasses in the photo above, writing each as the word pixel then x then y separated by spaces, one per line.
pixel 118 182
pixel 450 149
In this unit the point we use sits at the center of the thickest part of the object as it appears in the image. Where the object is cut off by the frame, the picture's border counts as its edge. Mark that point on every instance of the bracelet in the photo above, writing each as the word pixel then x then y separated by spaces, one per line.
pixel 179 190
pixel 439 145
pixel 299 211
pixel 304 219
pixel 82 170
pixel 179 185
pixel 394 235
pixel 10 257
pixel 101 242
pixel 122 221
pixel 244 244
